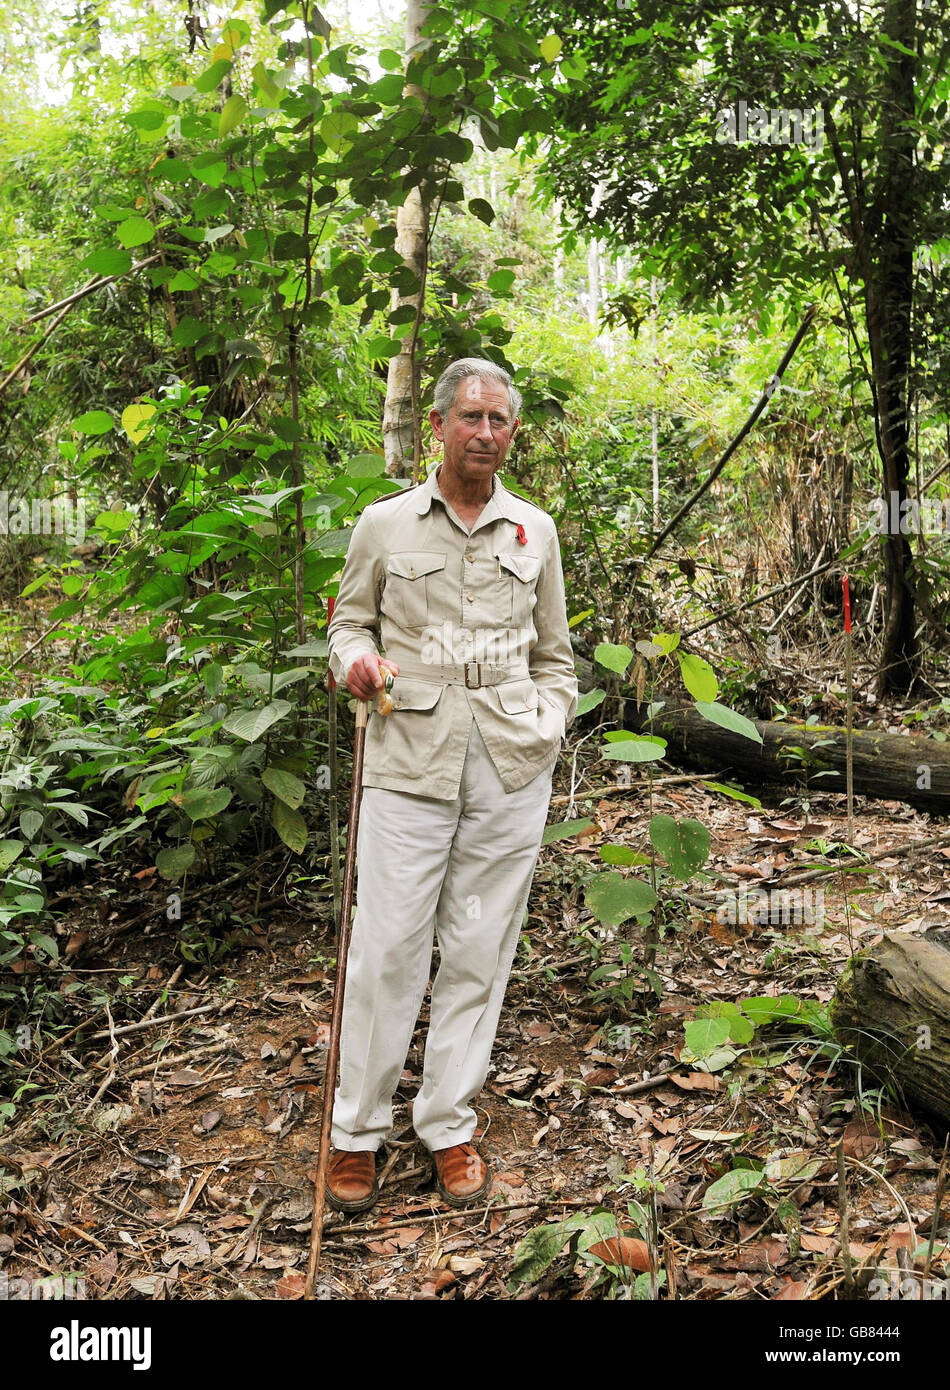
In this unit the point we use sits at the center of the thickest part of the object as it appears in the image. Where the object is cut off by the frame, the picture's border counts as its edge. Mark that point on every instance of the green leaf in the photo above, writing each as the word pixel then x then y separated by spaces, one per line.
pixel 173 863
pixel 792 1168
pixel 336 127
pixel 734 792
pixel 249 724
pixel 766 1008
pixel 536 1253
pixel 704 1034
pixel 201 803
pixel 285 786
pixel 590 700
pixel 684 844
pixel 484 211
pixel 108 261
pixel 622 855
pixel 729 719
pixel 564 830
pixel 501 281
pixel 135 420
pixel 232 113
pixel 135 231
pixel 31 822
pixel 290 826
pixel 698 677
pixel 213 76
pixel 731 1188
pixel 666 641
pixel 550 48
pixel 94 422
pixel 615 658
pixel 9 851
pixel 637 748
pixel 614 899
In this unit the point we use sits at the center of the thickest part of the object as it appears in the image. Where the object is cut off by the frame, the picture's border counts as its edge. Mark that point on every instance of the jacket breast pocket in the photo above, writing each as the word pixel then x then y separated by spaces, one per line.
pixel 521 579
pixel 409 579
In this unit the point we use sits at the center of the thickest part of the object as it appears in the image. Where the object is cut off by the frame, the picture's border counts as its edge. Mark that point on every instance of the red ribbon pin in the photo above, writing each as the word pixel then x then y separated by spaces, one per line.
pixel 522 538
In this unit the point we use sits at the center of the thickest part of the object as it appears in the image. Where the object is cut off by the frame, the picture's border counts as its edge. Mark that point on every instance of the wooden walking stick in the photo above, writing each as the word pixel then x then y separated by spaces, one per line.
pixel 384 704
pixel 849 728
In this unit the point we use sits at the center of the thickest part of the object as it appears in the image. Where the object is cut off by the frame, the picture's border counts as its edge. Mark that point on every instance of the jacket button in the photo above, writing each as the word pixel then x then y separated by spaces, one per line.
pixel 469 598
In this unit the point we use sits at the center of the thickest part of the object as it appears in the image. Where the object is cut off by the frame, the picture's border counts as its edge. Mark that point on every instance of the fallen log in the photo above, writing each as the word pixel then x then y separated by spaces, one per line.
pixel 890 766
pixel 892 1011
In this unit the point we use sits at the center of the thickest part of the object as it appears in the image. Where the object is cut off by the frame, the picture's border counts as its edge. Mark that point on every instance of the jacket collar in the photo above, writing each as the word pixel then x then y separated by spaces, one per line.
pixel 502 501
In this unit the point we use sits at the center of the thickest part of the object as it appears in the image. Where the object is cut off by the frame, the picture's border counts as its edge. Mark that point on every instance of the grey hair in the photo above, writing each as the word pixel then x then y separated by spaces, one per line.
pixel 446 388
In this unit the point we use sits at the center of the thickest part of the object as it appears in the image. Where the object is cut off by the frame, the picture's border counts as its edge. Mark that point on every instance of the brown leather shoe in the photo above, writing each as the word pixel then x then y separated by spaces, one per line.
pixel 461 1174
pixel 351 1180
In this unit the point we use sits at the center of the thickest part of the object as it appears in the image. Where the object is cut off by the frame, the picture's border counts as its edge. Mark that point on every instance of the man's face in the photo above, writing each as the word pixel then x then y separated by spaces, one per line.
pixel 478 430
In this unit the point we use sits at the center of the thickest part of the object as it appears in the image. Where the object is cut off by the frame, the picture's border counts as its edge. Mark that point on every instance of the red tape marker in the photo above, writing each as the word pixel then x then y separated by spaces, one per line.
pixel 847 604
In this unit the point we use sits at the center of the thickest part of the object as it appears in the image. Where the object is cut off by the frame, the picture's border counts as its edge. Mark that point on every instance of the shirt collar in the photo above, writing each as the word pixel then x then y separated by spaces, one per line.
pixel 501 499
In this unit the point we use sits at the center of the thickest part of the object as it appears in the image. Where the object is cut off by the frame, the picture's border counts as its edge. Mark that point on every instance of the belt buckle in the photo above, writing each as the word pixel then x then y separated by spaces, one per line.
pixel 478 666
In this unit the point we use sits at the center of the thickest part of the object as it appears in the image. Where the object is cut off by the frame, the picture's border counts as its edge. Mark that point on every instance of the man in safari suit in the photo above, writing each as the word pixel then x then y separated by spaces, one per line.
pixel 459 583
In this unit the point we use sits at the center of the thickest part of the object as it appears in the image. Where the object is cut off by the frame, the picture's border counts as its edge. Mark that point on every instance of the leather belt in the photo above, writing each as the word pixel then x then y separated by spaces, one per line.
pixel 472 674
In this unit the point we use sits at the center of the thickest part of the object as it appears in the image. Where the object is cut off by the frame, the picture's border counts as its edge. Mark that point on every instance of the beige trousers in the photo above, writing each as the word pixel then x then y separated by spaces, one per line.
pixel 462 869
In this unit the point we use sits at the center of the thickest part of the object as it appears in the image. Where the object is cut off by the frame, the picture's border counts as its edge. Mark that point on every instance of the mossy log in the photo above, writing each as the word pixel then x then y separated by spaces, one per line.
pixel 892 1011
pixel 890 766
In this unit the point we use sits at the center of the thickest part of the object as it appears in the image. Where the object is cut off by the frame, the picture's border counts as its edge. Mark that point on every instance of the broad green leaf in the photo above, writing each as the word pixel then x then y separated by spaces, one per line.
pixel 765 1008
pixel 9 851
pixel 615 658
pixel 731 1188
pixel 201 803
pixel 564 830
pixel 285 786
pixel 666 641
pixel 94 422
pixel 173 863
pixel 795 1168
pixel 729 719
pixel 336 127
pixel 135 420
pixel 232 113
pixel 614 899
pixel 698 677
pixel 31 823
pixel 550 48
pixel 213 76
pixel 135 231
pixel 703 1034
pixel 622 855
pixel 290 826
pixel 108 260
pixel 635 749
pixel 484 211
pixel 249 724
pixel 684 844
pixel 590 700
pixel 536 1253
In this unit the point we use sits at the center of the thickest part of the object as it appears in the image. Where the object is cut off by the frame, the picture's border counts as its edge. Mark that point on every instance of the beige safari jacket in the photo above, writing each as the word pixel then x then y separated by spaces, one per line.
pixel 476 622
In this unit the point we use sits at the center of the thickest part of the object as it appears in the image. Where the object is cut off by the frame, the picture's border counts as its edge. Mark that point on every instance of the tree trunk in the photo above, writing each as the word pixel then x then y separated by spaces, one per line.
pixel 892 1010
pixel 889 318
pixel 402 426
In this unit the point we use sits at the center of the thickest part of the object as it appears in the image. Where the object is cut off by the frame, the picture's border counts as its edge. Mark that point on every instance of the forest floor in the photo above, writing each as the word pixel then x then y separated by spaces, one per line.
pixel 175 1161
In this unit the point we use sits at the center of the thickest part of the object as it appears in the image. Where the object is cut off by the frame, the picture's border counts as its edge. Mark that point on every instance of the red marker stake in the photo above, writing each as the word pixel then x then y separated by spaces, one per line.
pixel 849 728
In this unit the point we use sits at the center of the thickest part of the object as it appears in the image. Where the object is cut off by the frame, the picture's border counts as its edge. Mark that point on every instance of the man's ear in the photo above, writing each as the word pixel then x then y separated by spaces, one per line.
pixel 435 420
